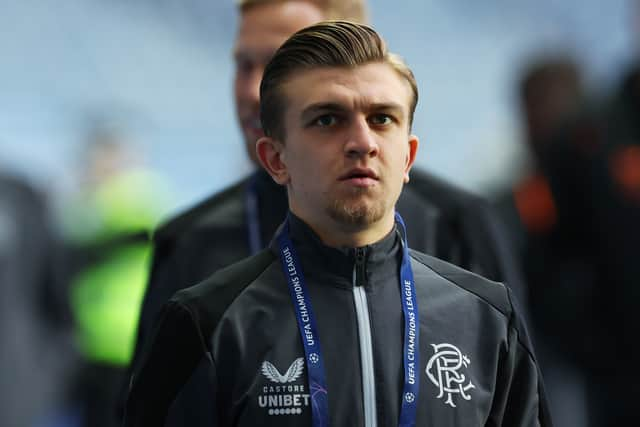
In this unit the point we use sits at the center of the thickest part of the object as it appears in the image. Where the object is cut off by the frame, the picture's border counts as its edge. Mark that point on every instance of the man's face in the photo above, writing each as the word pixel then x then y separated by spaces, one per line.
pixel 263 29
pixel 347 149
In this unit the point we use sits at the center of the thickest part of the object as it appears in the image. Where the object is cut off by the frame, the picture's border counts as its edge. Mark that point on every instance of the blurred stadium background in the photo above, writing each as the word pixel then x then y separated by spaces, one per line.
pixel 161 71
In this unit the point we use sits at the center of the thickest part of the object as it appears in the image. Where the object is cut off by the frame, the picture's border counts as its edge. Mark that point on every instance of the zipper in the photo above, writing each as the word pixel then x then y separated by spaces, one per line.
pixel 364 335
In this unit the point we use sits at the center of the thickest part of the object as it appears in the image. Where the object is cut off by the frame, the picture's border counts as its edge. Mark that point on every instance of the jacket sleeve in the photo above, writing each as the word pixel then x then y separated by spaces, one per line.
pixel 167 363
pixel 519 399
pixel 164 274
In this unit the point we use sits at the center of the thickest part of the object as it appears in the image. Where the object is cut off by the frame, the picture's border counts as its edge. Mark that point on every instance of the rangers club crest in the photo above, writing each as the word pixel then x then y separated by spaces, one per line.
pixel 445 370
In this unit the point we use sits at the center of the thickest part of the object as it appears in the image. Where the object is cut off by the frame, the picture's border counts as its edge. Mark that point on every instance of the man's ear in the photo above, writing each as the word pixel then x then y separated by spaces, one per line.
pixel 270 154
pixel 411 156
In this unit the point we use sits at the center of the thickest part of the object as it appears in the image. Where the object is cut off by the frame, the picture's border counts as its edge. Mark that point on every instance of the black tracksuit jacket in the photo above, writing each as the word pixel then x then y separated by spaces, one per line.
pixel 477 367
pixel 445 221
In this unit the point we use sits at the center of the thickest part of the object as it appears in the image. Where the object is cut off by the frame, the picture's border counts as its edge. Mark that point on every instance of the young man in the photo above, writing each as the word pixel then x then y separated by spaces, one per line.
pixel 338 322
pixel 445 221
pixel 454 225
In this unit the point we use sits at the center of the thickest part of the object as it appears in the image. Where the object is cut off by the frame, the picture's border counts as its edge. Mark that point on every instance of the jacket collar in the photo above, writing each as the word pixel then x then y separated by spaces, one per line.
pixel 335 266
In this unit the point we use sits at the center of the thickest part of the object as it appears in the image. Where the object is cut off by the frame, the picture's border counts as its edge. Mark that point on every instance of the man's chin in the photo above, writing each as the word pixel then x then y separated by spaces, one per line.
pixel 360 214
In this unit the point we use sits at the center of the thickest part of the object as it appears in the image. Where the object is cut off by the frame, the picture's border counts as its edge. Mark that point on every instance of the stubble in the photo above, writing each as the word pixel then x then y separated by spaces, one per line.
pixel 358 208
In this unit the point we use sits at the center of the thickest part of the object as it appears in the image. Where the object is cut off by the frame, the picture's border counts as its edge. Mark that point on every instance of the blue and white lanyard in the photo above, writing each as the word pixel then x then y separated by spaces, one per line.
pixel 311 341
pixel 411 334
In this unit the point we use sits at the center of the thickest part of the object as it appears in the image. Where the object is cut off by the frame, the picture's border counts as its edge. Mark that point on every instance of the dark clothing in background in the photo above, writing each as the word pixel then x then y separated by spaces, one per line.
pixel 580 250
pixel 35 321
pixel 466 231
pixel 599 200
pixel 238 321
pixel 444 221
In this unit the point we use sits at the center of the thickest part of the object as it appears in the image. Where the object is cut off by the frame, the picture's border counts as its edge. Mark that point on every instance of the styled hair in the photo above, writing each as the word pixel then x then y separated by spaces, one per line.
pixel 326 44
pixel 348 10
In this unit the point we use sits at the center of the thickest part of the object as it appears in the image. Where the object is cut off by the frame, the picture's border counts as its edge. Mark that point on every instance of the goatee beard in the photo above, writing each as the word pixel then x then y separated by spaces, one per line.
pixel 356 213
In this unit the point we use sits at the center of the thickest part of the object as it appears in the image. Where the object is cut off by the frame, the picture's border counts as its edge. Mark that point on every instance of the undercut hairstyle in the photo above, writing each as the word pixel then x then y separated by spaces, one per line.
pixel 347 10
pixel 323 45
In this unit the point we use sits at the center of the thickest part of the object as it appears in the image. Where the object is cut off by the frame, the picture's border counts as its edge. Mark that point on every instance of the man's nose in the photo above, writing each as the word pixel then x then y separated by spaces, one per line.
pixel 361 140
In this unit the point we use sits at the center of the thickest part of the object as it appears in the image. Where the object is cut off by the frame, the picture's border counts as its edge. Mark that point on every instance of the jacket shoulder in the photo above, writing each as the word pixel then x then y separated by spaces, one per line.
pixel 443 194
pixel 211 211
pixel 493 293
pixel 208 300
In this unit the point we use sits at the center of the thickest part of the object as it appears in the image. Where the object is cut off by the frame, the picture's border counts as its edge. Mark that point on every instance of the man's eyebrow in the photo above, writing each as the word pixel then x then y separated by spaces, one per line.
pixel 337 106
pixel 321 107
pixel 251 55
pixel 334 107
pixel 241 55
pixel 386 106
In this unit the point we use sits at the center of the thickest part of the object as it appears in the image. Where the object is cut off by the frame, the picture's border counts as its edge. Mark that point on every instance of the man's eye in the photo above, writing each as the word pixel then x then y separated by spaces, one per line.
pixel 380 119
pixel 325 120
pixel 244 66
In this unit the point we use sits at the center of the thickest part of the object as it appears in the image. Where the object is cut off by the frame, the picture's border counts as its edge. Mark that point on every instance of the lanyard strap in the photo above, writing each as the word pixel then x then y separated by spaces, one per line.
pixel 253 220
pixel 411 334
pixel 307 327
pixel 311 341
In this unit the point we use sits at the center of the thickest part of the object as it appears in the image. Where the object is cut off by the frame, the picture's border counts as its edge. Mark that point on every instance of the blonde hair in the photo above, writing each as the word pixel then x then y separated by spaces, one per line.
pixel 347 10
pixel 326 44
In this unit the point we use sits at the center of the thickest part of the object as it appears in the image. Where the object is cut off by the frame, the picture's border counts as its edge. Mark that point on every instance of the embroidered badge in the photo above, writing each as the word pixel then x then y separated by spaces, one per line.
pixel 445 370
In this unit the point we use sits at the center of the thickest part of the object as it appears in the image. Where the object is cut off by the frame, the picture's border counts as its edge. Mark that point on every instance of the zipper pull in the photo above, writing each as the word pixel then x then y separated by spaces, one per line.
pixel 360 266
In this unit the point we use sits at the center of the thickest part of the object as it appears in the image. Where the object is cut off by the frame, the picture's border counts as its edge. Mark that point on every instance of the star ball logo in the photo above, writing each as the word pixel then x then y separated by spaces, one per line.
pixel 281 396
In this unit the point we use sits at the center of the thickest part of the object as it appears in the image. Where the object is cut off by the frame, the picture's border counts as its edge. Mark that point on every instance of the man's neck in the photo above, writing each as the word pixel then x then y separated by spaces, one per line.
pixel 338 235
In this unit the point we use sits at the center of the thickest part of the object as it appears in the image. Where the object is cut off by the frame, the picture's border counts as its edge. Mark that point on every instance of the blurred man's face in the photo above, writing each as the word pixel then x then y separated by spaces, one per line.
pixel 262 30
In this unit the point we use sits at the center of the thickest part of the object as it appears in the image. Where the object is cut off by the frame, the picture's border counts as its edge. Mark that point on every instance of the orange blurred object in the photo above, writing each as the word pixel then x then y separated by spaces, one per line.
pixel 625 169
pixel 535 204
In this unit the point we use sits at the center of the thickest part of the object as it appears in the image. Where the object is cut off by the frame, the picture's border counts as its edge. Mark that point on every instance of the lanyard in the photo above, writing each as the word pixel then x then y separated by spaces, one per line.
pixel 311 341
pixel 411 334
pixel 253 221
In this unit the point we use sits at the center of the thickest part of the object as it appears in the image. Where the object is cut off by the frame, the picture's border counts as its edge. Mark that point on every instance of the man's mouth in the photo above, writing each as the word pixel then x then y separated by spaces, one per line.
pixel 362 177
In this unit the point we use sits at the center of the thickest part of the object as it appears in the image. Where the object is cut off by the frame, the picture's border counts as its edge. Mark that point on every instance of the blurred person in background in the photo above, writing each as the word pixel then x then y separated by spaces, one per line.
pixel 579 215
pixel 447 222
pixel 558 275
pixel 595 179
pixel 604 187
pixel 107 226
pixel 35 322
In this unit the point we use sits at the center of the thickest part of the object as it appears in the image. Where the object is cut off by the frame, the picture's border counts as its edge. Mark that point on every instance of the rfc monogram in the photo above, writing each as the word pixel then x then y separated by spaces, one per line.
pixel 444 370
